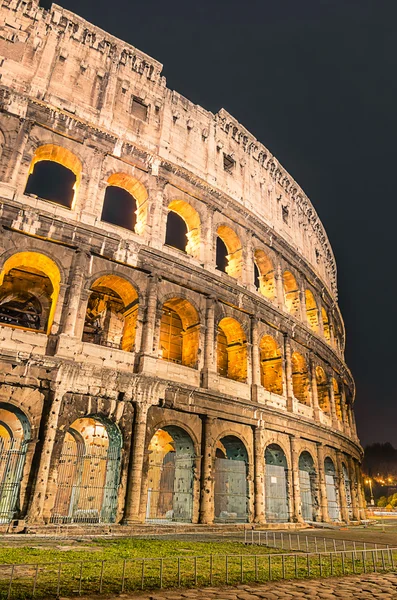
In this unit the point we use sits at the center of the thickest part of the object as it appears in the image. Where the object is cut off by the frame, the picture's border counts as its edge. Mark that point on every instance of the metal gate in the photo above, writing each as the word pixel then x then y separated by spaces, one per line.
pixel 170 492
pixel 231 487
pixel 332 498
pixel 306 495
pixel 348 491
pixel 87 483
pixel 12 460
pixel 277 510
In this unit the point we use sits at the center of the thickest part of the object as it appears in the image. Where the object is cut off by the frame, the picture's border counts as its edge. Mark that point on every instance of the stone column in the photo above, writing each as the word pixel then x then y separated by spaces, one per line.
pixel 360 492
pixel 209 239
pixel 209 345
pixel 207 475
pixel 288 374
pixel 331 393
pixel 354 489
pixel 278 275
pixel 255 356
pixel 14 164
pixel 79 270
pixel 296 492
pixel 342 489
pixel 36 508
pixel 259 477
pixel 91 207
pixel 322 485
pixel 135 467
pixel 150 319
pixel 316 408
pixel 345 419
pixel 320 320
pixel 302 302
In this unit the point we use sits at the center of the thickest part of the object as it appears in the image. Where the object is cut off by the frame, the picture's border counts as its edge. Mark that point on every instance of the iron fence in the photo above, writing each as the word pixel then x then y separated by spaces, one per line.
pixel 306 543
pixel 52 580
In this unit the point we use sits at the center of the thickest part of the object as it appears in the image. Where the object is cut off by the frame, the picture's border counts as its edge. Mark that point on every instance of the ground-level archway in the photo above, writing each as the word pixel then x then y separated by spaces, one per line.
pixel 308 488
pixel 14 438
pixel 170 476
pixel 276 485
pixel 88 472
pixel 231 495
pixel 332 490
pixel 348 491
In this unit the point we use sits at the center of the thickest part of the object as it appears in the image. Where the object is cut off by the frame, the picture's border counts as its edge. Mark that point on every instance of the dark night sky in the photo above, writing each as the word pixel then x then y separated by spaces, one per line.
pixel 315 81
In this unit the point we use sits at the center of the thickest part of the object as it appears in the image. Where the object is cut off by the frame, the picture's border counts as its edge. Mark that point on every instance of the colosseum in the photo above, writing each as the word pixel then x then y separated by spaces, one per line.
pixel 172 350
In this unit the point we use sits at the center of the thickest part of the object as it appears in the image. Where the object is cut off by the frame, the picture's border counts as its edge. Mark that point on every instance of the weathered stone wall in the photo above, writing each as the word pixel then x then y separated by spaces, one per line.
pixel 66 97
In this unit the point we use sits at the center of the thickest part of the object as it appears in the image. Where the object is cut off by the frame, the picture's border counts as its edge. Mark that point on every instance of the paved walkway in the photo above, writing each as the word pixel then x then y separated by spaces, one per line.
pixel 360 587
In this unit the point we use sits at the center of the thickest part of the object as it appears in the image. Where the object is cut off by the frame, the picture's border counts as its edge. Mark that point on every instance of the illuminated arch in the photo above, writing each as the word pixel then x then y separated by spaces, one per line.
pixel 233 246
pixel 112 312
pixel 62 156
pixel 231 488
pixel 266 274
pixel 192 220
pixel 232 350
pixel 311 311
pixel 138 194
pixel 36 262
pixel 179 332
pixel 271 365
pixel 322 390
pixel 291 294
pixel 300 379
pixel 326 328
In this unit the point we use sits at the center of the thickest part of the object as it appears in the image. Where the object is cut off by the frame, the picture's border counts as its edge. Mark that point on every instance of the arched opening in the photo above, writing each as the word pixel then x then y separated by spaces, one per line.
pixel 325 318
pixel 170 476
pixel 55 175
pixel 119 208
pixel 14 439
pixel 323 391
pixel 291 294
pixel 338 400
pixel 231 481
pixel 183 228
pixel 88 472
pixel 271 365
pixel 176 232
pixel 125 203
pixel 29 288
pixel 348 491
pixel 111 314
pixel 300 379
pixel 231 262
pixel 265 281
pixel 308 487
pixel 331 489
pixel 179 332
pixel 232 350
pixel 311 312
pixel 276 485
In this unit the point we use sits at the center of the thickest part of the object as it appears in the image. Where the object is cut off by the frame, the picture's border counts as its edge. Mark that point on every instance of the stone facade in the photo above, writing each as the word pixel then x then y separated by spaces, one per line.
pixel 141 379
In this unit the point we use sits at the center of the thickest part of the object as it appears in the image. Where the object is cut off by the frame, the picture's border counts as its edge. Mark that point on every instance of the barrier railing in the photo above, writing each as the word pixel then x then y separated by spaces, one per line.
pixel 306 543
pixel 52 580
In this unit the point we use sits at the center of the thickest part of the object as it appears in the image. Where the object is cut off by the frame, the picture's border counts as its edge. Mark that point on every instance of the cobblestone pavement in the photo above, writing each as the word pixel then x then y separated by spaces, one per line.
pixel 362 587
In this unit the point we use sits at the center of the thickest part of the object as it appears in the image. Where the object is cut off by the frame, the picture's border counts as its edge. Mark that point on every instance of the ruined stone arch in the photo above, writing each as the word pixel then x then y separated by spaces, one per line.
pixel 274 440
pixel 265 274
pixel 232 432
pixel 45 184
pixel 311 311
pixel 191 218
pixel 179 332
pixel 233 265
pixel 132 198
pixel 271 365
pixel 231 350
pixel 174 421
pixel 112 312
pixel 34 264
pixel 300 378
pixel 291 294
pixel 323 390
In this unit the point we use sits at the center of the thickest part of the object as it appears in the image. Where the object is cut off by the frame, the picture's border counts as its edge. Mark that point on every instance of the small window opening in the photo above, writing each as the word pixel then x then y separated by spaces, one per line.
pixel 176 232
pixel 52 181
pixel 285 212
pixel 138 108
pixel 119 208
pixel 228 163
pixel 221 255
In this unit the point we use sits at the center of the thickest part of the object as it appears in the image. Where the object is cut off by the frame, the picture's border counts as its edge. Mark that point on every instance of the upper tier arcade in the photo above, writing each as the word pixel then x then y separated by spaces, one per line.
pixel 91 77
